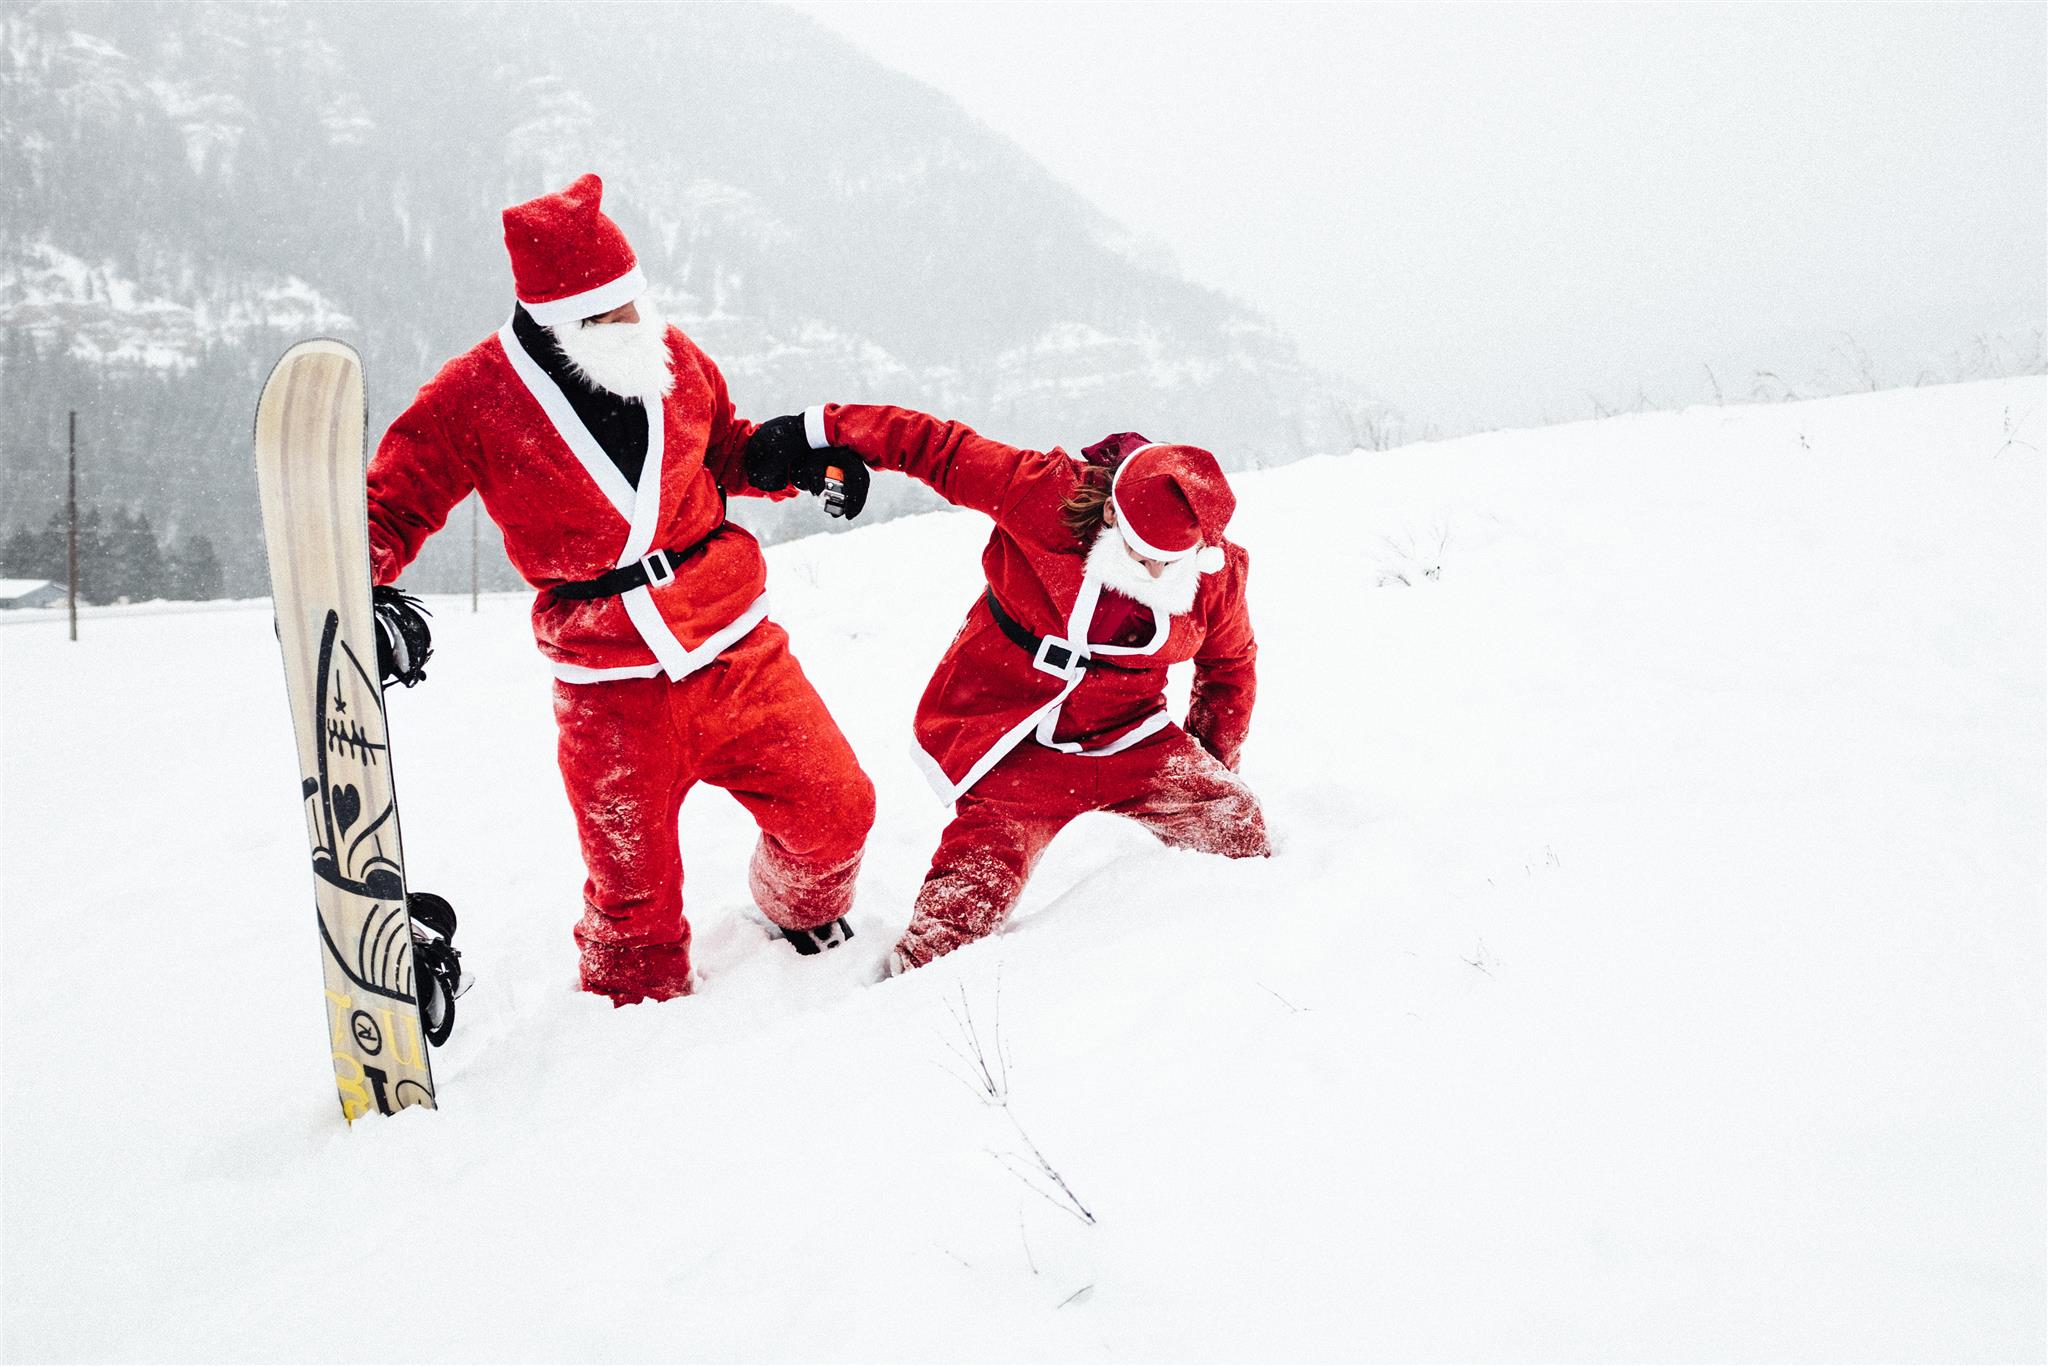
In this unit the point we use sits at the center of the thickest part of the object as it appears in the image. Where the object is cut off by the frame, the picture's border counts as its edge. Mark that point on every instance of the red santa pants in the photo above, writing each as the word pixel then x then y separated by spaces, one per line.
pixel 1169 784
pixel 748 722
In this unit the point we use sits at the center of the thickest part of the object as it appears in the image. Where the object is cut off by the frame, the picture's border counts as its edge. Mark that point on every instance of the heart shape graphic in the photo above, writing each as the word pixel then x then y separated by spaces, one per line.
pixel 347 804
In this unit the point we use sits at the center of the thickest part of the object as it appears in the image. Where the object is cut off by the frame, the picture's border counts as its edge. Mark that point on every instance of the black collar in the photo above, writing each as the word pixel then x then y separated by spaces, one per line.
pixel 618 423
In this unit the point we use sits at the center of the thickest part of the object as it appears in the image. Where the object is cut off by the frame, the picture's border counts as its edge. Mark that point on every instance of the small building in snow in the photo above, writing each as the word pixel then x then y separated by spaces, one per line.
pixel 30 593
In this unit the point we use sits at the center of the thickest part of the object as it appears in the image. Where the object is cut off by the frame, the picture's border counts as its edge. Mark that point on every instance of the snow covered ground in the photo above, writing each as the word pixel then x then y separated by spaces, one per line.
pixel 1652 966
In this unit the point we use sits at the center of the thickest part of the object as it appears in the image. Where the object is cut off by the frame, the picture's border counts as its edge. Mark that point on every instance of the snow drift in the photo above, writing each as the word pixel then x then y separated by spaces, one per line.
pixel 1652 965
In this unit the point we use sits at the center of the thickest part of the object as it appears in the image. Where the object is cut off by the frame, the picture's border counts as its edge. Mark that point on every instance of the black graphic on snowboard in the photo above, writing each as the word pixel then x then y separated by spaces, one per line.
pixel 349 842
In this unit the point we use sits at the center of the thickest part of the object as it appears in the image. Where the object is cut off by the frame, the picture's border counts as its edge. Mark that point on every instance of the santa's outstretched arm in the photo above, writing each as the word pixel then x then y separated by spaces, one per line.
pixel 955 461
pixel 415 480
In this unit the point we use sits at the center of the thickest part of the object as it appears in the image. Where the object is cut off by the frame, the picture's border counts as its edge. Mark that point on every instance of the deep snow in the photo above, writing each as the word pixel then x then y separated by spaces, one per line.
pixel 1652 966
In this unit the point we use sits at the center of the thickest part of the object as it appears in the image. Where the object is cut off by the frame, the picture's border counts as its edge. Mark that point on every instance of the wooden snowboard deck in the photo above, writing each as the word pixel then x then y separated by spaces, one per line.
pixel 309 466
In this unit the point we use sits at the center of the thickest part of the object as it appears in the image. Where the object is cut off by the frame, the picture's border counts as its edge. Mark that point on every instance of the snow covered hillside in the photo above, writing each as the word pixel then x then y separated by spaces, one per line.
pixel 1651 968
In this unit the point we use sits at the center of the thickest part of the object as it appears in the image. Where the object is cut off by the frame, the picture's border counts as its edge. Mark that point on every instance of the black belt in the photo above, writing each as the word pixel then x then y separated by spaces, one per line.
pixel 1049 653
pixel 650 571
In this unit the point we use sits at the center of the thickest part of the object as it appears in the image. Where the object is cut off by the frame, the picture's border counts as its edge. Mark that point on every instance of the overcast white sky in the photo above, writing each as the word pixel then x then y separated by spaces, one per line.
pixel 1486 214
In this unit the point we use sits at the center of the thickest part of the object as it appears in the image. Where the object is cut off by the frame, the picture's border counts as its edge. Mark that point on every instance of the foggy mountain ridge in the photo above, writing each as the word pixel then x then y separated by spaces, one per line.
pixel 193 187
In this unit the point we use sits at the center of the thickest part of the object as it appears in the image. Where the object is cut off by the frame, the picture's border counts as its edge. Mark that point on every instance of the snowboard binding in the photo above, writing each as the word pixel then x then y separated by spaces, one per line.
pixel 436 963
pixel 823 937
pixel 404 644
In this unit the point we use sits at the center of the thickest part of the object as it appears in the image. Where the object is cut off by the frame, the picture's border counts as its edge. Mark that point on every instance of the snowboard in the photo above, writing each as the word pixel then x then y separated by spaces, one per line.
pixel 309 468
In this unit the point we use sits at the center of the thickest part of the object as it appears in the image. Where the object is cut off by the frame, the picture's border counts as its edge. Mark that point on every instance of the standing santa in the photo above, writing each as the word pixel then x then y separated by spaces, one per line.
pixel 1051 702
pixel 602 443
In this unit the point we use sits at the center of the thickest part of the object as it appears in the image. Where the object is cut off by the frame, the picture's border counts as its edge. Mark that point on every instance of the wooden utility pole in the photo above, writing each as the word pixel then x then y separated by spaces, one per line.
pixel 71 507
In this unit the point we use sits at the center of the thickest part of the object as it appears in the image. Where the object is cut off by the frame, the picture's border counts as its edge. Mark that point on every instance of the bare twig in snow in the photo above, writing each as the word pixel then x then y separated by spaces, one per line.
pixel 989 1080
pixel 2011 439
pixel 1278 997
pixel 988 1067
pixel 1414 554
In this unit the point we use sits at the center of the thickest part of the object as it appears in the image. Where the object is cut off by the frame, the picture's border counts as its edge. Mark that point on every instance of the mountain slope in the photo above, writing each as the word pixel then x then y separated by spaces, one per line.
pixel 1650 967
pixel 190 187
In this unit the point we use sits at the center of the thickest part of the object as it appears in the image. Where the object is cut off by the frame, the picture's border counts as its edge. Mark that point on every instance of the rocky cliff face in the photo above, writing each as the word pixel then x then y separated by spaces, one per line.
pixel 191 187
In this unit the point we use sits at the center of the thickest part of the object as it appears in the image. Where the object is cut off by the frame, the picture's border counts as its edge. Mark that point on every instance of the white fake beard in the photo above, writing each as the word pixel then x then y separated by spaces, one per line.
pixel 1171 594
pixel 630 359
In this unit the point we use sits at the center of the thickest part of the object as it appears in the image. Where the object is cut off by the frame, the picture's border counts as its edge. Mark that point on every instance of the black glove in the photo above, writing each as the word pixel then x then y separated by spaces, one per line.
pixel 773 451
pixel 403 643
pixel 779 454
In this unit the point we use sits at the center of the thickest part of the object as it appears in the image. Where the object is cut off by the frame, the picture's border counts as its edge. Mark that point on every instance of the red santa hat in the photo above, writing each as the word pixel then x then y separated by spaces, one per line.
pixel 1172 501
pixel 569 261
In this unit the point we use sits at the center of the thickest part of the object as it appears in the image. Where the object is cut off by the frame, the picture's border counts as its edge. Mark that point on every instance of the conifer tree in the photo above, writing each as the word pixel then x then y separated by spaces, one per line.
pixel 192 570
pixel 23 557
pixel 134 559
pixel 95 583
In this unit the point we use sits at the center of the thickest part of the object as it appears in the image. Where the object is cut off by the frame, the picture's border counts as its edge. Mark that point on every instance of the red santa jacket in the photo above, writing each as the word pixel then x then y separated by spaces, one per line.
pixel 988 694
pixel 494 422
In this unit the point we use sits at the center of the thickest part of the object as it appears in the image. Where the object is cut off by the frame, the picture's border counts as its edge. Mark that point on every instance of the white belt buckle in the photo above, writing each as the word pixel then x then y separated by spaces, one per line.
pixel 659 571
pixel 1059 658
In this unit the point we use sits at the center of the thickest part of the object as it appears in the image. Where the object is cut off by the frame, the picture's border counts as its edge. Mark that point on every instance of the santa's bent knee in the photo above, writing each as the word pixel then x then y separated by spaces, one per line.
pixel 833 822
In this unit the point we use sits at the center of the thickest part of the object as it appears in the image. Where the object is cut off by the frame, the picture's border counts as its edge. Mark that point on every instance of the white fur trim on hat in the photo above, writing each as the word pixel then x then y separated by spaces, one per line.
pixel 590 302
pixel 1210 559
